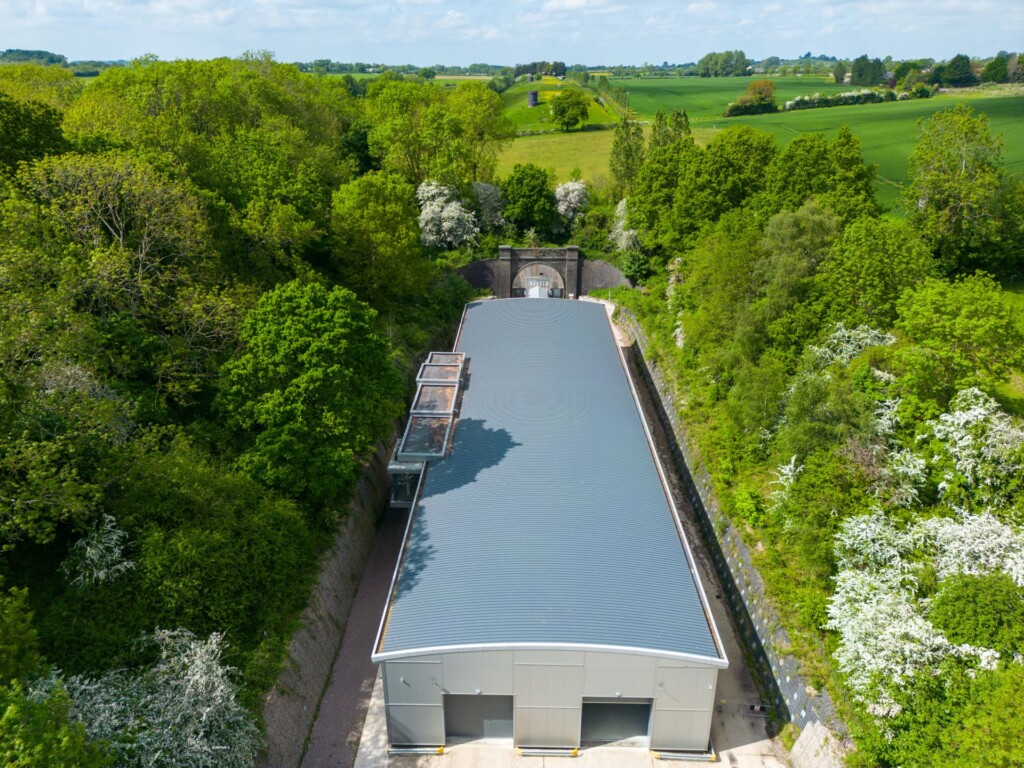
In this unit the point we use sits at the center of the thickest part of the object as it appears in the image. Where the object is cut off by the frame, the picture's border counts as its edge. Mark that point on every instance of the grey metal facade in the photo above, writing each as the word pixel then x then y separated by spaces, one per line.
pixel 548 689
pixel 543 559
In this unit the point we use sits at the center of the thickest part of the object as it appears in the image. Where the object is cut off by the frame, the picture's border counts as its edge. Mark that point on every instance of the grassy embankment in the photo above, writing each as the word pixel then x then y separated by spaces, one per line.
pixel 887 131
pixel 1011 393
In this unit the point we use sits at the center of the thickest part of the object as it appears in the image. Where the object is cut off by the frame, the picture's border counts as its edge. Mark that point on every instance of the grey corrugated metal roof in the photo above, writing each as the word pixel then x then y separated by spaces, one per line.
pixel 547 524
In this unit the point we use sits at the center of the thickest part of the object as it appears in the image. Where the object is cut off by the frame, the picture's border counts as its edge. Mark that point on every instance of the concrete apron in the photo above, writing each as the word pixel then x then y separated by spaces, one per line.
pixel 373 746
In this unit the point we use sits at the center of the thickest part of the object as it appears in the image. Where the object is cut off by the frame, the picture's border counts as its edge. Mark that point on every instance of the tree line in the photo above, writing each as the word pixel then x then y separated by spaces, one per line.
pixel 213 289
pixel 850 377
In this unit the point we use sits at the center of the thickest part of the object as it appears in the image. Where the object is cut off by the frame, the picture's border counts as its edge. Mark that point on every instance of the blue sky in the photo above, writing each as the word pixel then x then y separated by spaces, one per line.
pixel 426 32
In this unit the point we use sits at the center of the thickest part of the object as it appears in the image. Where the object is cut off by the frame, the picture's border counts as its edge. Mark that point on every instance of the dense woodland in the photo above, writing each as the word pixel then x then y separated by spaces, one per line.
pixel 212 289
pixel 842 370
pixel 216 277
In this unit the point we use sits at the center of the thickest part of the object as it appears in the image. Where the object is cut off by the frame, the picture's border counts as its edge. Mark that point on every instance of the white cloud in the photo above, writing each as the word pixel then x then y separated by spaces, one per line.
pixel 453 31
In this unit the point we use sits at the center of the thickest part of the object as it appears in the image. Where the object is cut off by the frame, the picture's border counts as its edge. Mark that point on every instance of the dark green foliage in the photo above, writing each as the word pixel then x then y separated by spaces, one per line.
pixel 865 71
pixel 954 189
pixel 18 55
pixel 650 205
pixel 996 70
pixel 724 64
pixel 570 108
pixel 127 265
pixel 986 611
pixel 757 264
pixel 312 390
pixel 780 315
pixel 758 99
pixel 529 198
pixel 627 153
pixel 636 266
pixel 959 73
pixel 28 130
pixel 962 719
pixel 19 644
pixel 377 250
pixel 868 270
pixel 668 129
pixel 722 177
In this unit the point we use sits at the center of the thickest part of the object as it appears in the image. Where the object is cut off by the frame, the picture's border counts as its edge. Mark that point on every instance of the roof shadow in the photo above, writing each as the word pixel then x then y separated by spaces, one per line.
pixel 474 449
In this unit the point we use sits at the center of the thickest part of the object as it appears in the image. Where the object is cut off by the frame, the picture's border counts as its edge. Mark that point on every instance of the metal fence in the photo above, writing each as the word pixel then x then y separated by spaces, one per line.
pixel 777 673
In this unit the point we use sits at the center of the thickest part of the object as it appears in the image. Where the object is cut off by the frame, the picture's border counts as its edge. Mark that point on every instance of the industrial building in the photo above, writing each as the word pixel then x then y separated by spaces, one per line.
pixel 545 593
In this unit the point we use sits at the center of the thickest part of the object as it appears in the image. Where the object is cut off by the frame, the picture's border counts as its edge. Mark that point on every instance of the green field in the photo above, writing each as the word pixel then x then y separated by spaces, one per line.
pixel 704 98
pixel 536 119
pixel 563 152
pixel 887 131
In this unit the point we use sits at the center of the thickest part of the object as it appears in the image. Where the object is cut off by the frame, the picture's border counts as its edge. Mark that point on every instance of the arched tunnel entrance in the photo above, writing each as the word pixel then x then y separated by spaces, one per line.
pixel 539 280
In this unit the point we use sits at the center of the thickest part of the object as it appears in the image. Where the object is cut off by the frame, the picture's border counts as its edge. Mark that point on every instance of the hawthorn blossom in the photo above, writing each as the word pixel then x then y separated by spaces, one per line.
pixel 571 200
pixel 444 221
pixel 983 442
pixel 844 344
pixel 98 557
pixel 182 713
pixel 785 477
pixel 623 238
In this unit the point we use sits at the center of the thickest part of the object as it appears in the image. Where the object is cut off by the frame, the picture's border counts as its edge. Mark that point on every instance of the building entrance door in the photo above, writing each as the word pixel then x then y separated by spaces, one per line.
pixel 616 720
pixel 468 718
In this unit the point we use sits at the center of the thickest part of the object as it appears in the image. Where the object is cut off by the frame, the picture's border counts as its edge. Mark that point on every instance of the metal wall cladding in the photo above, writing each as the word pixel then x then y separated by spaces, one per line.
pixel 411 725
pixel 685 689
pixel 414 682
pixel 547 689
pixel 415 709
pixel 548 686
pixel 619 676
pixel 489 672
pixel 547 727
pixel 683 731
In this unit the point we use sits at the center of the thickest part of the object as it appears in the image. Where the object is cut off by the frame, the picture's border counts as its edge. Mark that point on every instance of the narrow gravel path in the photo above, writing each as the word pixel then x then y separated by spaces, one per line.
pixel 334 740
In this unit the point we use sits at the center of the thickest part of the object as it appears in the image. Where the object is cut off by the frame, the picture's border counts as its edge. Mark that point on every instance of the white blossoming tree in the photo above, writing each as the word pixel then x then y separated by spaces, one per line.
pixel 624 238
pixel 981 450
pixel 885 635
pixel 98 557
pixel 182 713
pixel 444 221
pixel 571 201
pixel 844 344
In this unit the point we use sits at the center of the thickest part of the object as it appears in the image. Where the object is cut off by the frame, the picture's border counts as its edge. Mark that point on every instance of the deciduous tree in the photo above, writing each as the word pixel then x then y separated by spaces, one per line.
pixel 311 391
pixel 954 181
pixel 529 198
pixel 627 153
pixel 570 108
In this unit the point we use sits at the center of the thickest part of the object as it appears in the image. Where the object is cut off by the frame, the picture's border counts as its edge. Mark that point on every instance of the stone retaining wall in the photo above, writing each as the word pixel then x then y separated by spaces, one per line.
pixel 290 708
pixel 775 671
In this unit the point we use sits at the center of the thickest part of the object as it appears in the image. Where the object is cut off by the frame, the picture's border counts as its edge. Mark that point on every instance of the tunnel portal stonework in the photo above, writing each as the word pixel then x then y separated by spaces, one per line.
pixel 517 269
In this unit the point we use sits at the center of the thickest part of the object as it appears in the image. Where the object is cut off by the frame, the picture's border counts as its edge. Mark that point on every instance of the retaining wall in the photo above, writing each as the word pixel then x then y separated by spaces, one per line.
pixel 290 708
pixel 776 672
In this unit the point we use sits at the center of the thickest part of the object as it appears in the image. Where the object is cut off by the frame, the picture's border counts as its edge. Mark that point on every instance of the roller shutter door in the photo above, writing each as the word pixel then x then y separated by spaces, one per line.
pixel 477 717
pixel 613 720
